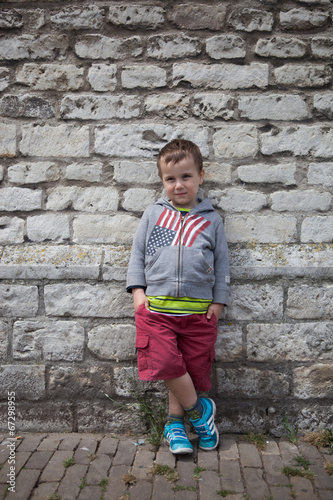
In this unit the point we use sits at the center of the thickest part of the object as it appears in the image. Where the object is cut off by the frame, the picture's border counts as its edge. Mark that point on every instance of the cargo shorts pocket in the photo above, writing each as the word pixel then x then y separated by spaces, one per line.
pixel 142 349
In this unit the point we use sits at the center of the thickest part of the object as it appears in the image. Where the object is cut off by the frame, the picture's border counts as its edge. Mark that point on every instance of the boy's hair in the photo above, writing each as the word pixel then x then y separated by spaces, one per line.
pixel 177 150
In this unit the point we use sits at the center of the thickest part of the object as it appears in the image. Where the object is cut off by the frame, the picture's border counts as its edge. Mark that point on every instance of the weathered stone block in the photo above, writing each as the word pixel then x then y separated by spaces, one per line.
pixel 147 76
pixel 102 47
pixel 299 140
pixel 93 229
pixel 238 200
pixel 221 76
pixel 116 341
pixel 18 300
pixel 15 198
pixel 48 227
pixel 322 47
pixel 115 263
pixel 211 106
pixel 229 344
pixel 128 172
pixel 236 141
pixel 317 229
pixel 302 75
pixel 273 107
pixel 102 77
pixel 90 16
pixel 26 106
pixel 136 16
pixel 10 19
pixel 283 48
pixel 33 47
pixel 313 381
pixel 33 172
pixel 7 140
pixel 267 173
pixel 255 302
pixel 92 107
pixel 145 140
pixel 11 230
pixel 309 200
pixel 260 229
pixel 173 46
pixel 198 16
pixel 59 141
pixel 321 173
pixel 168 105
pixel 138 199
pixel 28 382
pixel 4 78
pixel 90 172
pixel 226 47
pixel 48 340
pixel 3 340
pixel 89 199
pixel 303 19
pixel 45 416
pixel 289 342
pixel 51 76
pixel 89 382
pixel 51 262
pixel 323 105
pixel 251 20
pixel 249 382
pixel 218 173
pixel 310 302
pixel 87 301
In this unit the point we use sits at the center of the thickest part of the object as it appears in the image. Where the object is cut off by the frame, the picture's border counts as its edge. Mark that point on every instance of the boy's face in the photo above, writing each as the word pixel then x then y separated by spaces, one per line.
pixel 181 182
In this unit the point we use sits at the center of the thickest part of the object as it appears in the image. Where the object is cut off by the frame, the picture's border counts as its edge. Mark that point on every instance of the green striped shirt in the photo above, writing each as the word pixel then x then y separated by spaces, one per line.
pixel 178 305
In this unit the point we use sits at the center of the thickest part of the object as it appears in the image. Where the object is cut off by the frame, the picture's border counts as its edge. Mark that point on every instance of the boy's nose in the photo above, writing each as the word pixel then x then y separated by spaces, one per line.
pixel 179 183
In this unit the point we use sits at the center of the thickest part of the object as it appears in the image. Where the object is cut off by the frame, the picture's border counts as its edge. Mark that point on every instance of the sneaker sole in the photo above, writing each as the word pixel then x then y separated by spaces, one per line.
pixel 180 451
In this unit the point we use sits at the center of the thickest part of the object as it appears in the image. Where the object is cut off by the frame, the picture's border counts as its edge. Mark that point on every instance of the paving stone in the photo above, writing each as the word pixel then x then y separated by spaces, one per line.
pixel 209 461
pixel 125 453
pixel 273 466
pixel 185 470
pixel 141 490
pixel 55 469
pixel 49 443
pixel 44 490
pixel 70 485
pixel 325 495
pixel 89 492
pixel 310 452
pixel 303 488
pixel 281 492
pixel 108 446
pixel 209 485
pixel 228 449
pixel 39 459
pixel 231 476
pixel 288 452
pixel 185 495
pixel 99 469
pixel 25 483
pixel 162 489
pixel 271 448
pixel 31 442
pixel 70 442
pixel 116 488
pixel 255 484
pixel 322 480
pixel 143 463
pixel 85 451
pixel 165 457
pixel 20 461
pixel 249 455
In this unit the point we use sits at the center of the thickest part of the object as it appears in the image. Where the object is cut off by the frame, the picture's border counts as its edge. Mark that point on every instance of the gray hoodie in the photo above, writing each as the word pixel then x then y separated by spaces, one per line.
pixel 180 256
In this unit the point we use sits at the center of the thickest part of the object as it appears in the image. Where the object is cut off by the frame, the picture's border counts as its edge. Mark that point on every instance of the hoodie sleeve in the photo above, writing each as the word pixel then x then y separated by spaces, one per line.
pixel 221 266
pixel 136 267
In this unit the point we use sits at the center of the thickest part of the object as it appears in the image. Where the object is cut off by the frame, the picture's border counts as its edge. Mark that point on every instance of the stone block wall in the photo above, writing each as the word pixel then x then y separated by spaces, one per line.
pixel 89 93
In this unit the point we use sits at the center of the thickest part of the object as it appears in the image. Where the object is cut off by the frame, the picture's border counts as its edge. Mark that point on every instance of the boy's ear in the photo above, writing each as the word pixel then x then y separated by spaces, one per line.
pixel 202 175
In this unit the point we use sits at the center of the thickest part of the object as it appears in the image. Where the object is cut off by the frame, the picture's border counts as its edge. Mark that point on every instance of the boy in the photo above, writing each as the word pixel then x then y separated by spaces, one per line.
pixel 178 275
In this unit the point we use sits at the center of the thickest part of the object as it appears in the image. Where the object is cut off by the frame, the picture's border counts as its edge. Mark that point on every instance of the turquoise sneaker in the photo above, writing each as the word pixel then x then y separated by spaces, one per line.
pixel 176 437
pixel 205 427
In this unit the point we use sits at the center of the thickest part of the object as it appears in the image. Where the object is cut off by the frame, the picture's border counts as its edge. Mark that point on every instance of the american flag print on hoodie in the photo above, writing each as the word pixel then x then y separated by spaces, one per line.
pixel 172 229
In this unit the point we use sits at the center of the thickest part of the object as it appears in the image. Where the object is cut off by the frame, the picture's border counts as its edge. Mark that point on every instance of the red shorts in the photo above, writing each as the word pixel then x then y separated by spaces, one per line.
pixel 170 346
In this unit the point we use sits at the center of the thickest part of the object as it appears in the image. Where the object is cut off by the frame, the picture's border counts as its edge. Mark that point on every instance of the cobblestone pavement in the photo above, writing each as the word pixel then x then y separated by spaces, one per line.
pixel 104 466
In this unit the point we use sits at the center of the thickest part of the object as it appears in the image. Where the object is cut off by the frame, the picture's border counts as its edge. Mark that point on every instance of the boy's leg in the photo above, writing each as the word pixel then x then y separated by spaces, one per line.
pixel 182 394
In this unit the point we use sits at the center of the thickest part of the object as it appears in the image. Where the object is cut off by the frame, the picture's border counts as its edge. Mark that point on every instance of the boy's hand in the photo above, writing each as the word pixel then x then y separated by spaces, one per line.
pixel 214 309
pixel 139 297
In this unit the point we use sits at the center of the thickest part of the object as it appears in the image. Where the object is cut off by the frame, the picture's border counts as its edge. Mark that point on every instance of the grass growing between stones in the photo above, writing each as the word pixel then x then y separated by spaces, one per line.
pixel 165 470
pixel 319 439
pixel 69 462
pixel 328 466
pixel 305 471
pixel 225 493
pixel 258 439
pixel 128 479
pixel 196 472
pixel 292 431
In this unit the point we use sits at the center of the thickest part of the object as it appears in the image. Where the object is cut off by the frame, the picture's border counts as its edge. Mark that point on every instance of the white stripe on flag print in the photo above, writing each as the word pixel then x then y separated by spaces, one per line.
pixel 193 227
pixel 169 219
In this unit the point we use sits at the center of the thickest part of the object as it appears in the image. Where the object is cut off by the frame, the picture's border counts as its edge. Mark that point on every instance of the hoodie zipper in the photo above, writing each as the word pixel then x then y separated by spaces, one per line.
pixel 182 219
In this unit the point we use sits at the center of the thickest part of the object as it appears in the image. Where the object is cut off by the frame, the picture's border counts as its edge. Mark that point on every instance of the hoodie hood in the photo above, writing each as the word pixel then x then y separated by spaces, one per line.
pixel 204 205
